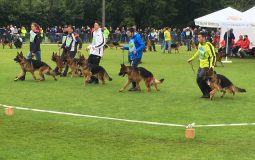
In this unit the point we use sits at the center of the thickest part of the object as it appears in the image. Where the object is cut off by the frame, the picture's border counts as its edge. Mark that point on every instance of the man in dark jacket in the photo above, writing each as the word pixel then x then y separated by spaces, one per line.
pixel 70 45
pixel 229 37
pixel 35 42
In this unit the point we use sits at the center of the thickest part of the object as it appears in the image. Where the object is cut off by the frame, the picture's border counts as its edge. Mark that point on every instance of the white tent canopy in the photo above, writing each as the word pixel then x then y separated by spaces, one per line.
pixel 243 23
pixel 227 17
pixel 249 15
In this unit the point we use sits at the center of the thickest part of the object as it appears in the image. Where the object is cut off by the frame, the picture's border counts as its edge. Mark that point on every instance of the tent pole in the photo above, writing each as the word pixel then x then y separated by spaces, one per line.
pixel 226 59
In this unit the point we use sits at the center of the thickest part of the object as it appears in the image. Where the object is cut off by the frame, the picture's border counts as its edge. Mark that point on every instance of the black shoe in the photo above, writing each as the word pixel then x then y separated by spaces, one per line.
pixel 205 96
pixel 62 75
pixel 132 89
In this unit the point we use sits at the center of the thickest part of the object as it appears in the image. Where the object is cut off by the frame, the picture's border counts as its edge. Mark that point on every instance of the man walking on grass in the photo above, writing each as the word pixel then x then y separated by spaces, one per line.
pixel 207 59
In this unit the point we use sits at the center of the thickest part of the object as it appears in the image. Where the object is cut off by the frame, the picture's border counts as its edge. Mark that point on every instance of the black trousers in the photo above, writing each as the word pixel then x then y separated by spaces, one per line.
pixel 201 81
pixel 72 54
pixel 93 59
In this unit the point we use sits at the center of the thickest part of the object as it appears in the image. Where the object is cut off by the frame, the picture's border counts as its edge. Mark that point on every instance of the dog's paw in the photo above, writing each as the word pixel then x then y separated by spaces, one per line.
pixel 121 90
pixel 16 79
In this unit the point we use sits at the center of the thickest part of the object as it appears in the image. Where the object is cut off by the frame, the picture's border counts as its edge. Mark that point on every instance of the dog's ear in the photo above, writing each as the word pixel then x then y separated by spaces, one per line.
pixel 17 53
pixel 21 53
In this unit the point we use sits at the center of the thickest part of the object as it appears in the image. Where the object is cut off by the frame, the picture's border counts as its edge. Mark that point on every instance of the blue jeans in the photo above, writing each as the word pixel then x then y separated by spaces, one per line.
pixel 168 43
pixel 37 55
pixel 135 62
pixel 188 44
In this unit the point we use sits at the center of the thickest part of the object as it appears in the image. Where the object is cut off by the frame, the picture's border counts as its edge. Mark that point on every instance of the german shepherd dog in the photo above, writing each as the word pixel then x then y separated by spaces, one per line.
pixel 219 56
pixel 59 62
pixel 72 63
pixel 31 66
pixel 218 82
pixel 137 74
pixel 89 70
pixel 110 44
pixel 5 42
pixel 176 46
pixel 194 46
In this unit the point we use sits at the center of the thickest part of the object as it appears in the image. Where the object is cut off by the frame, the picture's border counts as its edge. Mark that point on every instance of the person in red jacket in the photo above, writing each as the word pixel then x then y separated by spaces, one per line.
pixel 245 46
pixel 237 45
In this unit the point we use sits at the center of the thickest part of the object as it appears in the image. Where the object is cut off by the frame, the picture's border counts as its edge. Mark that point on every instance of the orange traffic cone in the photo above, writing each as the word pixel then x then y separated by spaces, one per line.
pixel 190 131
pixel 9 111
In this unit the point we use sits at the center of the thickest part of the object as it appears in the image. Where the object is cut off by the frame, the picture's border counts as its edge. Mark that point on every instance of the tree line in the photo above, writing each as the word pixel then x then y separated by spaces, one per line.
pixel 143 13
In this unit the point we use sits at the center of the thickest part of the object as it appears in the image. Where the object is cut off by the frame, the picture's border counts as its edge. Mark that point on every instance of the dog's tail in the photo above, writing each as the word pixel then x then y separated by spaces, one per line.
pixel 106 75
pixel 159 81
pixel 240 89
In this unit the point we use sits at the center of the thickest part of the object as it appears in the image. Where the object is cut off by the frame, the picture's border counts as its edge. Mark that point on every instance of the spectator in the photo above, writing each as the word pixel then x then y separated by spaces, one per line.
pixel 188 36
pixel 183 35
pixel 229 37
pixel 245 47
pixel 152 36
pixel 237 45
pixel 167 40
pixel 23 33
pixel 106 34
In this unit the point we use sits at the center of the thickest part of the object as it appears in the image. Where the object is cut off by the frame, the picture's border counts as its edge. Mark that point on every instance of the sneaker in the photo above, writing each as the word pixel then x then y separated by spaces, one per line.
pixel 205 96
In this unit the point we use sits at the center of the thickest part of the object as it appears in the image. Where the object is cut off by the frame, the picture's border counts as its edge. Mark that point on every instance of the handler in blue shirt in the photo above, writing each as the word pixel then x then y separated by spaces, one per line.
pixel 135 48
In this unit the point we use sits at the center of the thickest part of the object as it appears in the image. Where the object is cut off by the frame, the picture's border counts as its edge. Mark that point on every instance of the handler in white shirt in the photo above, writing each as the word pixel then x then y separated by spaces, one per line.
pixel 96 48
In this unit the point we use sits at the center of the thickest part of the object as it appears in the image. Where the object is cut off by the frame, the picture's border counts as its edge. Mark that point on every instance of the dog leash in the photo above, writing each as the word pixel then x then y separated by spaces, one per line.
pixel 59 51
pixel 192 67
pixel 123 56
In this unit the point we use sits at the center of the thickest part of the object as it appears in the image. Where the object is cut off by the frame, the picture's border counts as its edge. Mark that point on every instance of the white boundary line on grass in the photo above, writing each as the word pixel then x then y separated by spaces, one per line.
pixel 97 117
pixel 127 120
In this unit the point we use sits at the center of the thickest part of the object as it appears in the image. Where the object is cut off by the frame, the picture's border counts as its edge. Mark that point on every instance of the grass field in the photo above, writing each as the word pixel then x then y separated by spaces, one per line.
pixel 42 136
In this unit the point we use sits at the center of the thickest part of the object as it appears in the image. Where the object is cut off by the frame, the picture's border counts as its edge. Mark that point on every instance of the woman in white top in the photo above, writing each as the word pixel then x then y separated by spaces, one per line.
pixel 96 48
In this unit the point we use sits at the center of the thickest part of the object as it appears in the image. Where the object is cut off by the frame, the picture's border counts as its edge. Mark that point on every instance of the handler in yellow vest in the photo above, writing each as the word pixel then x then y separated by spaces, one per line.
pixel 207 59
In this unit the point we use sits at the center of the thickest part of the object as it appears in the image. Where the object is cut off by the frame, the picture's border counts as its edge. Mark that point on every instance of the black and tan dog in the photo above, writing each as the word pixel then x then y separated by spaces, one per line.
pixel 219 56
pixel 59 62
pixel 193 45
pixel 176 46
pixel 218 82
pixel 137 74
pixel 72 63
pixel 31 66
pixel 89 70
pixel 110 44
pixel 5 42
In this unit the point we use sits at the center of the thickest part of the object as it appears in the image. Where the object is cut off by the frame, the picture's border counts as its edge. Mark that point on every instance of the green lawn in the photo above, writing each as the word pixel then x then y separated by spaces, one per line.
pixel 38 136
